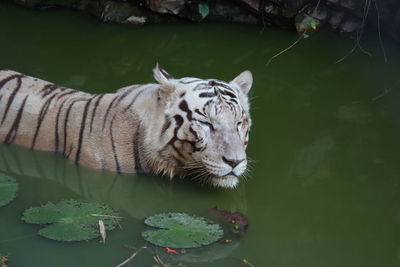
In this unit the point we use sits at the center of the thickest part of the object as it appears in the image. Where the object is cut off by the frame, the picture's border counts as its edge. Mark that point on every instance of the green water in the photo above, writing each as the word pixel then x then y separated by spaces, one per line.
pixel 324 187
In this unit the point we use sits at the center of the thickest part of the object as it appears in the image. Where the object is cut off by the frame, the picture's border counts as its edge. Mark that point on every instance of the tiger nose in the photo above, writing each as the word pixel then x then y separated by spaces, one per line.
pixel 232 162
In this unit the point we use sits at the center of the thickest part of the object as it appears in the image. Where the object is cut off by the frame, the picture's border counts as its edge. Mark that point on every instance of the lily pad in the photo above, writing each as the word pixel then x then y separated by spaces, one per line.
pixel 180 230
pixel 8 189
pixel 72 220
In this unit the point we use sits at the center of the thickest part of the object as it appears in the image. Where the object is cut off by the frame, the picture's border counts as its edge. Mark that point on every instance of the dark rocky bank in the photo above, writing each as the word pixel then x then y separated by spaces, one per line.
pixel 347 17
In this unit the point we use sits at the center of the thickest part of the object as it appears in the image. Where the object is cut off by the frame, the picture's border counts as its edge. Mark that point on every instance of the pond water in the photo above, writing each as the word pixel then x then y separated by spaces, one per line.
pixel 324 186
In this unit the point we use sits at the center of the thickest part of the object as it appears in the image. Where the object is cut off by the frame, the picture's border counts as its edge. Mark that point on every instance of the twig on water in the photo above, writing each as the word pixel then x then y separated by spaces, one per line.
pixel 103 215
pixel 359 34
pixel 131 257
pixel 379 30
pixel 386 91
pixel 285 50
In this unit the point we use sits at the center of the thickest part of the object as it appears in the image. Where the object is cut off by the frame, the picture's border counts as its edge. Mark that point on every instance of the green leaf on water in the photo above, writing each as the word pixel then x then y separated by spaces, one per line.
pixel 313 23
pixel 3 261
pixel 8 189
pixel 203 10
pixel 180 230
pixel 305 35
pixel 72 220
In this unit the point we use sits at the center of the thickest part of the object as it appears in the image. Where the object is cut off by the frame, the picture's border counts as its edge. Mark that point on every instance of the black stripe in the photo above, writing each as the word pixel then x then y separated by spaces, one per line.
pixel 184 106
pixel 196 136
pixel 208 94
pixel 136 149
pixel 165 127
pixel 117 166
pixel 125 94
pixel 67 93
pixel 191 81
pixel 1 96
pixel 134 99
pixel 66 122
pixel 94 111
pixel 206 105
pixel 198 112
pixel 179 121
pixel 42 114
pixel 108 110
pixel 224 92
pixel 57 138
pixel 48 88
pixel 166 74
pixel 82 130
pixel 215 83
pixel 6 80
pixel 11 98
pixel 202 86
pixel 12 134
pixel 69 153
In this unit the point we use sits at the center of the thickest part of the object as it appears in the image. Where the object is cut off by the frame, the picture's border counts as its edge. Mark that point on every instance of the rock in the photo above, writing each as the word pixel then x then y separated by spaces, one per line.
pixel 166 6
pixel 342 15
pixel 306 23
pixel 254 4
pixel 122 12
pixel 76 4
pixel 135 20
pixel 230 12
pixel 396 27
pixel 320 13
pixel 350 26
pixel 310 19
pixel 332 2
pixel 336 18
pixel 290 8
pixel 271 9
pixel 348 4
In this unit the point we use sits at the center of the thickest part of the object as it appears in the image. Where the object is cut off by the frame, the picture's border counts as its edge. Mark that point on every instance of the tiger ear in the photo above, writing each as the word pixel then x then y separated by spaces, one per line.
pixel 245 81
pixel 164 79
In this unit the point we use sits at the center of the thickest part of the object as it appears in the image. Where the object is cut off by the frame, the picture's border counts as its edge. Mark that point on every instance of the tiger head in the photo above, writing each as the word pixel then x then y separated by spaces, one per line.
pixel 206 127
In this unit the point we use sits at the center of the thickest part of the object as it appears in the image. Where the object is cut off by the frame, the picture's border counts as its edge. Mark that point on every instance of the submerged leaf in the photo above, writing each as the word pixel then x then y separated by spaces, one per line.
pixel 8 189
pixel 239 221
pixel 180 230
pixel 72 220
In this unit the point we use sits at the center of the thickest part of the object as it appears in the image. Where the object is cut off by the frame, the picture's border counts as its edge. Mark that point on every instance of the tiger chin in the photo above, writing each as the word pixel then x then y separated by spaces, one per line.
pixel 186 127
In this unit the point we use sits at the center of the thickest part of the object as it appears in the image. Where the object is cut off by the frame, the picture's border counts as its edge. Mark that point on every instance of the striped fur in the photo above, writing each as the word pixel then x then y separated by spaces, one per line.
pixel 175 126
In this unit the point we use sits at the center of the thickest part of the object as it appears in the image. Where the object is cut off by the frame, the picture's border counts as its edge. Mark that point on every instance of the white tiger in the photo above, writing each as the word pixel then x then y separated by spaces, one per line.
pixel 173 127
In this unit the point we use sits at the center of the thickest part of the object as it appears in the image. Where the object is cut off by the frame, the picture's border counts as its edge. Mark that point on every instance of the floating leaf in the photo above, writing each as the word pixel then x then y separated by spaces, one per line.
pixel 180 230
pixel 3 261
pixel 8 189
pixel 72 220
pixel 204 10
pixel 238 220
pixel 305 35
pixel 313 23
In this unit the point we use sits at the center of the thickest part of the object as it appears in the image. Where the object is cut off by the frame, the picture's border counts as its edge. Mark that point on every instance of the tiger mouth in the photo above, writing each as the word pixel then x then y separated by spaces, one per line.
pixel 227 181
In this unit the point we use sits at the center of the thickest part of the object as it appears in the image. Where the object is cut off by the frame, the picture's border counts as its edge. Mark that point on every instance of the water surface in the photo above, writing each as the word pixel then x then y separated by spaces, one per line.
pixel 324 188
